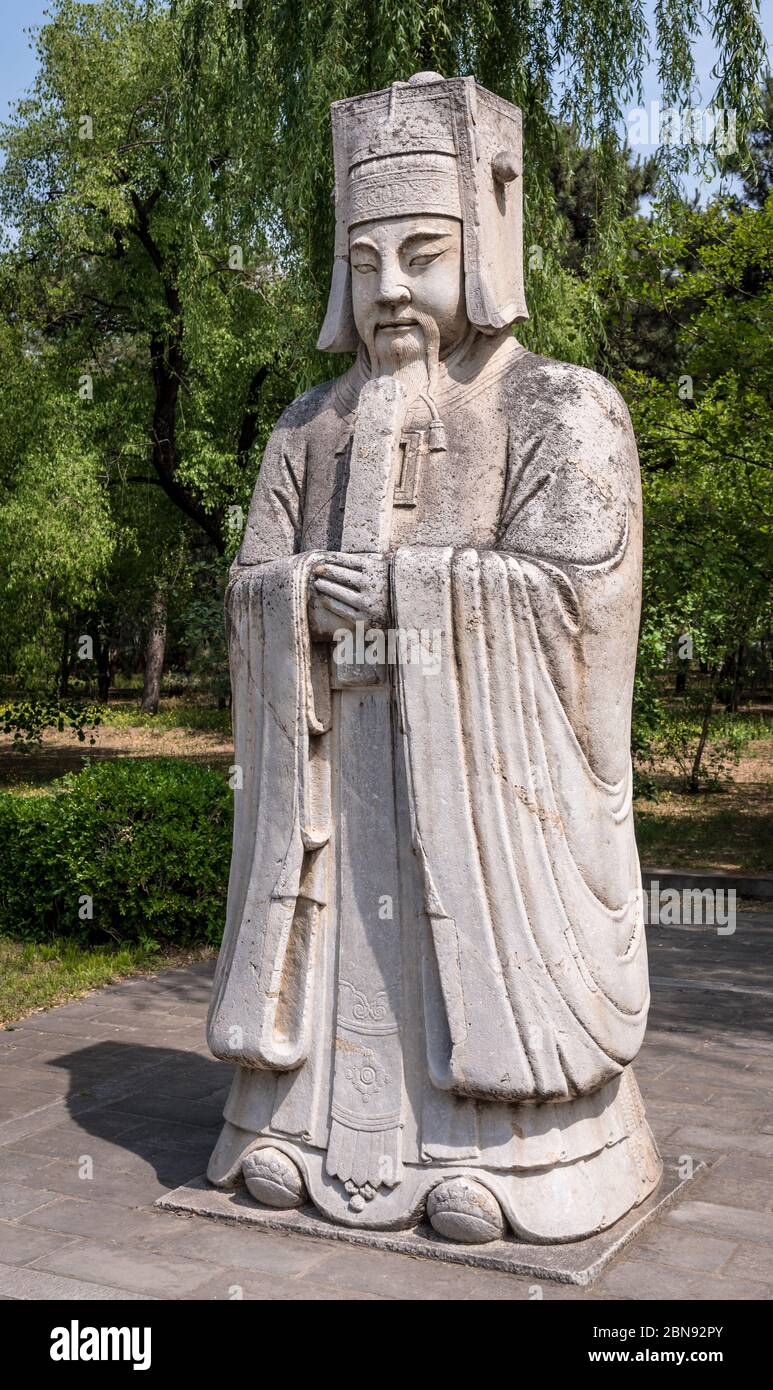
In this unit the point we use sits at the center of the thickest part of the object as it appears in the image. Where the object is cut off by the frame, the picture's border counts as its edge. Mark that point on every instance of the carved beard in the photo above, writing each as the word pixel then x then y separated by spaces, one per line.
pixel 413 359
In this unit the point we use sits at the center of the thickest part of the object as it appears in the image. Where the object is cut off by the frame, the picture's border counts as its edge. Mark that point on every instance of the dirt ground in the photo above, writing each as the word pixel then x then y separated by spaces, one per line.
pixel 61 753
pixel 731 828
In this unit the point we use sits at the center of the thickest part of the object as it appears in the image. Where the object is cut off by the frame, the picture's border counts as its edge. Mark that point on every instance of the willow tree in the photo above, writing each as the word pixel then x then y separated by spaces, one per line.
pixel 167 188
pixel 277 65
pixel 152 343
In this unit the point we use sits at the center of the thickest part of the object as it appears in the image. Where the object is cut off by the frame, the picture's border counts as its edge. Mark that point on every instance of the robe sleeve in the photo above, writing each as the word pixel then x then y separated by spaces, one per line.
pixel 275 517
pixel 260 1013
pixel 518 759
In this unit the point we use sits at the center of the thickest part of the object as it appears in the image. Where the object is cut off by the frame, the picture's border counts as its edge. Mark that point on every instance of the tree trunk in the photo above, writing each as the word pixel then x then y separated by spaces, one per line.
pixel 696 766
pixel 104 667
pixel 735 693
pixel 167 363
pixel 64 667
pixel 154 655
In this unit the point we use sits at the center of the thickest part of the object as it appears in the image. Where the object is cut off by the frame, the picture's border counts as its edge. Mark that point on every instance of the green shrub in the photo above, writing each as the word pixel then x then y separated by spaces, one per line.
pixel 147 841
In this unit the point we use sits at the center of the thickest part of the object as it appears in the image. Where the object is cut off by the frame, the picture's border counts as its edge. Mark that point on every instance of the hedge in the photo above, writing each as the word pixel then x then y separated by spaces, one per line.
pixel 147 841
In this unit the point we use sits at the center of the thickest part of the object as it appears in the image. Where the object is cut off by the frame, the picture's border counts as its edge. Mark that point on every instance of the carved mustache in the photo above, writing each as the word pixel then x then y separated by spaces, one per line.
pixel 397 323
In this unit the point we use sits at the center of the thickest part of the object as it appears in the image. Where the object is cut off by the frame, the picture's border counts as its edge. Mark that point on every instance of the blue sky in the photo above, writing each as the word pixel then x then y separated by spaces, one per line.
pixel 17 59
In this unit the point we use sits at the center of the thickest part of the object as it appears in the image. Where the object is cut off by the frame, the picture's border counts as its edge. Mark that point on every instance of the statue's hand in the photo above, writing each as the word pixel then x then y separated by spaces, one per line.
pixel 351 589
pixel 323 625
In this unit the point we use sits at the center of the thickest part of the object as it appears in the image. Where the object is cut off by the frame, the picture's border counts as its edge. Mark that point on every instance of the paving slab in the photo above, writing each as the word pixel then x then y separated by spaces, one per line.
pixel 639 1281
pixel 120 1266
pixel 20 1245
pixel 16 1199
pixel 754 1227
pixel 723 1141
pixel 124 1076
pixel 38 1284
pixel 105 1220
pixel 684 1249
pixel 236 1285
pixel 138 1186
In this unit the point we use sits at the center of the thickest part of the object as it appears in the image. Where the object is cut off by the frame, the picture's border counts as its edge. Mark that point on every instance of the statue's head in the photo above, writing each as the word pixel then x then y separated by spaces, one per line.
pixel 428 218
pixel 407 286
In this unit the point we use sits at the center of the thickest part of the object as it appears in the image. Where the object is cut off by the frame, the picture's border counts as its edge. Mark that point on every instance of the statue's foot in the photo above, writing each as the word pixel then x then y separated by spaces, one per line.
pixel 464 1210
pixel 273 1179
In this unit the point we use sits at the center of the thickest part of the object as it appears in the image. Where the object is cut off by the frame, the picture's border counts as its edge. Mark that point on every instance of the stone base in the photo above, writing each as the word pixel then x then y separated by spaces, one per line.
pixel 578 1262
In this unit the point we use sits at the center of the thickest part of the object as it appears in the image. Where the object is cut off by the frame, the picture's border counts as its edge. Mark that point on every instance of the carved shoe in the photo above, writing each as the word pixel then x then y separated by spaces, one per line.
pixel 273 1179
pixel 464 1210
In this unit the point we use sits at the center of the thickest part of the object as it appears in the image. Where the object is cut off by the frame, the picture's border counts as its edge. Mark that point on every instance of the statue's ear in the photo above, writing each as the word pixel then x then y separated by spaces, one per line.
pixel 339 333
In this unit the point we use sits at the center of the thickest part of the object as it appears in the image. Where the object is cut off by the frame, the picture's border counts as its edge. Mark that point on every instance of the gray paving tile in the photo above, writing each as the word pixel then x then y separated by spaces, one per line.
pixel 39 1285
pixel 666 1116
pixel 41 1114
pixel 733 1222
pixel 753 1262
pixel 639 1280
pixel 686 1249
pixel 192 1081
pixel 20 1245
pixel 144 1271
pixel 159 1019
pixel 35 1082
pixel 236 1285
pixel 16 1199
pixel 74 1141
pixel 154 1135
pixel 104 1220
pixel 740 1180
pixel 200 1111
pixel 700 1141
pixel 392 1276
pixel 26 1169
pixel 71 1031
pixel 139 1186
pixel 60 1019
pixel 222 1245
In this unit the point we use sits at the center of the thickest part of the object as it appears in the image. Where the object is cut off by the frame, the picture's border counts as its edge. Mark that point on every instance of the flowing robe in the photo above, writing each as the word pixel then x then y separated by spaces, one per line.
pixel 434 952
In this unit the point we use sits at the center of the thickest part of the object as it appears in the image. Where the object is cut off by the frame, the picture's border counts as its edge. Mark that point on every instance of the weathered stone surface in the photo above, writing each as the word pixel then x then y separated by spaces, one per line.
pixel 273 1179
pixel 433 978
pixel 576 1262
pixel 465 1212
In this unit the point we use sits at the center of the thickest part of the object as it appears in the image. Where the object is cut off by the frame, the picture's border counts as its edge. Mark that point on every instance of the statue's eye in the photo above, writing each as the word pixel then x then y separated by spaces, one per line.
pixel 364 267
pixel 426 258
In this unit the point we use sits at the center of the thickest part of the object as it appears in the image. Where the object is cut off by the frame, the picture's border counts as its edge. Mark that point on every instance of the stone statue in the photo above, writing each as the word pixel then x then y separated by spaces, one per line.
pixel 434 978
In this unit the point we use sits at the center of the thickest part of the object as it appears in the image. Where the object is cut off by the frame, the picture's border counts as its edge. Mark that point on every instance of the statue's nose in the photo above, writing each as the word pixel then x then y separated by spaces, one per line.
pixel 390 291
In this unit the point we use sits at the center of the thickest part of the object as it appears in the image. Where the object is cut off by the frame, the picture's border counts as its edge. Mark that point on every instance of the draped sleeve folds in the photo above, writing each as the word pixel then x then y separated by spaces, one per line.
pixel 517 754
pixel 260 1012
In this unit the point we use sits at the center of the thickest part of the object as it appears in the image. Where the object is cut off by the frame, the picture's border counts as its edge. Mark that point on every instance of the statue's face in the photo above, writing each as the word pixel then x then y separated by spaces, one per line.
pixel 408 284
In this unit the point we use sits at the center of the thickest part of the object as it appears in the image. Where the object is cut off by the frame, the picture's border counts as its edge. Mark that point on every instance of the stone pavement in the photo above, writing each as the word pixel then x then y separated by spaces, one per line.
pixel 109 1102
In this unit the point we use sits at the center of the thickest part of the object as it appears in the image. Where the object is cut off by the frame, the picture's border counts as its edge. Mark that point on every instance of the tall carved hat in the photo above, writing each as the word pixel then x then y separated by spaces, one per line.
pixel 432 146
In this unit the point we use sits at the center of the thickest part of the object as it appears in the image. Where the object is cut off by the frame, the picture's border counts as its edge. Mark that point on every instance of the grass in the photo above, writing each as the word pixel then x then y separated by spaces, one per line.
pixel 174 714
pixel 38 976
pixel 702 835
